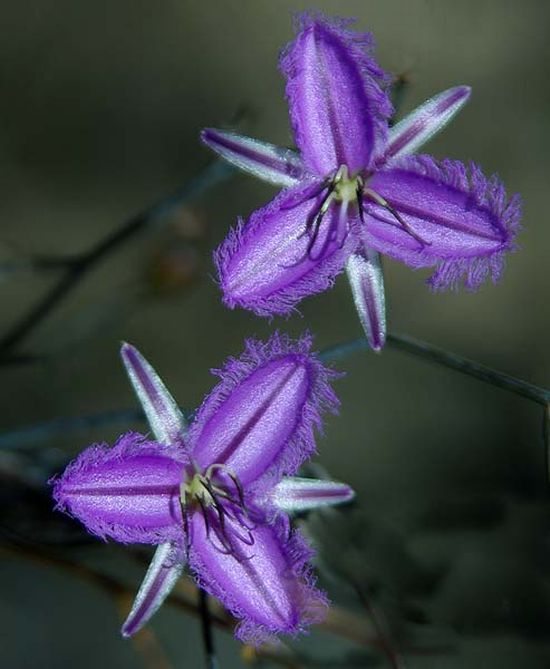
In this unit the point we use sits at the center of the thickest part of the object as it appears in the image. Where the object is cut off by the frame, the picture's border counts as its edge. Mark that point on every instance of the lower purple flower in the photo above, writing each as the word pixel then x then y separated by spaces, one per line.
pixel 218 495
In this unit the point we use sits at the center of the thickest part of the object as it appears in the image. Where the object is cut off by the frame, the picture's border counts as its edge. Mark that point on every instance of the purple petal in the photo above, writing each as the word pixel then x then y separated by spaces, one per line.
pixel 164 570
pixel 129 492
pixel 464 218
pixel 424 122
pixel 294 494
pixel 338 109
pixel 261 417
pixel 265 265
pixel 267 585
pixel 366 279
pixel 165 419
pixel 282 167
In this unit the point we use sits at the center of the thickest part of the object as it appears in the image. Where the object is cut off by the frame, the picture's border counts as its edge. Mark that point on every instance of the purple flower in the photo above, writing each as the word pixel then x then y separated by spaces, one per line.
pixel 354 191
pixel 217 494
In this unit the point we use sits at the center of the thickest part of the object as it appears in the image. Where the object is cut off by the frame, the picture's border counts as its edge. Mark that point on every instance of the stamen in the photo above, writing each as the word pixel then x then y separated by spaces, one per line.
pixel 185 519
pixel 242 517
pixel 341 189
pixel 308 194
pixel 378 199
pixel 217 503
pixel 314 221
pixel 343 222
pixel 359 196
pixel 226 547
pixel 315 236
pixel 239 488
pixel 205 515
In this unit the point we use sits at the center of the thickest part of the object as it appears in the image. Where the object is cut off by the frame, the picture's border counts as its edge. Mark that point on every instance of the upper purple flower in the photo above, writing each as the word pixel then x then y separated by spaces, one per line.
pixel 354 191
pixel 217 494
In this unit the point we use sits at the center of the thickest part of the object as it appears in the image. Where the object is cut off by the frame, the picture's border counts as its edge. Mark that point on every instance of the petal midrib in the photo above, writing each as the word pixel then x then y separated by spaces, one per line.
pixel 247 428
pixel 434 219
pixel 98 491
pixel 331 110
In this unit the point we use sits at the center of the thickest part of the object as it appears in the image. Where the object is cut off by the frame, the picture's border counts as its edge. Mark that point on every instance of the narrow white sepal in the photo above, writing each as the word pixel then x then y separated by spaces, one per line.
pixel 164 570
pixel 425 121
pixel 165 419
pixel 366 278
pixel 279 166
pixel 295 494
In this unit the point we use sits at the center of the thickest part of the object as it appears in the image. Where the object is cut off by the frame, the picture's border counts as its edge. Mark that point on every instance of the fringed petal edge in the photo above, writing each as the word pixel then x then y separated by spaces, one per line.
pixel 283 301
pixel 128 445
pixel 361 47
pixel 488 193
pixel 313 603
pixel 321 399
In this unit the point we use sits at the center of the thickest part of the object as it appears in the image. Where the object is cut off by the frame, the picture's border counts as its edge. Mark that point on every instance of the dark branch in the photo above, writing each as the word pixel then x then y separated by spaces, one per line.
pixel 207 635
pixel 42 431
pixel 426 351
pixel 76 269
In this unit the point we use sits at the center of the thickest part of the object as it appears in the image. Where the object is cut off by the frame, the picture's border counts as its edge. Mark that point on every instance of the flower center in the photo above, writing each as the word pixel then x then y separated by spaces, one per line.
pixel 346 188
pixel 197 491
pixel 343 190
pixel 217 494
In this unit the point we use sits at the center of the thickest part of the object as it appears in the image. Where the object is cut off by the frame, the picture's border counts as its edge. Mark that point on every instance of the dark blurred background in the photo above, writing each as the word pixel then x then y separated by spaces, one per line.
pixel 101 107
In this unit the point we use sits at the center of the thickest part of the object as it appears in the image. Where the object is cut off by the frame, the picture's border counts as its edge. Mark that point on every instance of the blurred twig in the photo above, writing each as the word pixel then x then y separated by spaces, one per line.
pixel 386 645
pixel 184 598
pixel 59 426
pixel 476 370
pixel 546 436
pixel 425 351
pixel 206 627
pixel 36 263
pixel 399 87
pixel 75 269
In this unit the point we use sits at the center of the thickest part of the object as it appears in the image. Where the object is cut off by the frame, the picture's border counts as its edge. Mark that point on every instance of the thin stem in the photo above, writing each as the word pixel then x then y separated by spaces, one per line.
pixel 206 628
pixel 426 351
pixel 36 263
pixel 398 89
pixel 52 428
pixel 76 269
pixel 40 432
pixel 386 646
pixel 184 598
pixel 546 436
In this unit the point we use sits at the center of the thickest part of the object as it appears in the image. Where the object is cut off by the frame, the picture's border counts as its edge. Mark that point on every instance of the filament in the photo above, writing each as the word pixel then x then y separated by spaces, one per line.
pixel 217 503
pixel 378 199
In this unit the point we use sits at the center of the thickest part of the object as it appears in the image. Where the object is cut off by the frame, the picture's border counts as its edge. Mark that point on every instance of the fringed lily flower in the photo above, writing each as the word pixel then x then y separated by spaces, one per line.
pixel 217 494
pixel 354 191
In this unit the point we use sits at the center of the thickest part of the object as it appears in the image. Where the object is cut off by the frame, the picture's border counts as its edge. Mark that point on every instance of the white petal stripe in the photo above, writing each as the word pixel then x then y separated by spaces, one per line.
pixel 424 122
pixel 279 166
pixel 165 419
pixel 164 570
pixel 294 494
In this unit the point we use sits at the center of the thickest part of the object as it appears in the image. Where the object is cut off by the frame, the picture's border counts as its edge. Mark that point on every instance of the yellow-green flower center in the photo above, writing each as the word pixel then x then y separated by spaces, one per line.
pixel 198 490
pixel 346 187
